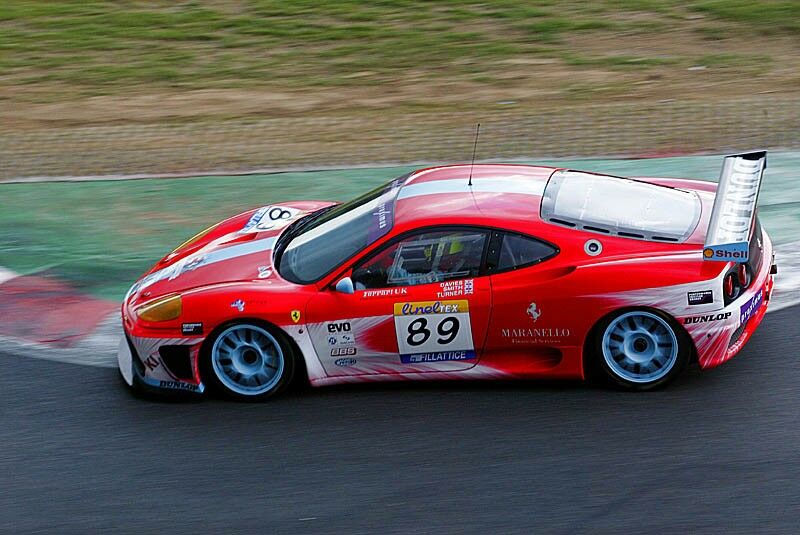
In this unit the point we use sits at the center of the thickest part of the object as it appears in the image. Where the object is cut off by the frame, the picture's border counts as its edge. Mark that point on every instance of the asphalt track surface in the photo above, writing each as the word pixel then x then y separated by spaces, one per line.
pixel 714 452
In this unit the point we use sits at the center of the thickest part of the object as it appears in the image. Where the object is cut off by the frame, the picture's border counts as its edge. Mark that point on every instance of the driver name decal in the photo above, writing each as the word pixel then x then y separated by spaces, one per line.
pixel 455 288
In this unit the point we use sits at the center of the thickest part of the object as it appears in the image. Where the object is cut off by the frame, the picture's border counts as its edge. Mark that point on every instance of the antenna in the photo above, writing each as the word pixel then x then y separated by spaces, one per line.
pixel 474 149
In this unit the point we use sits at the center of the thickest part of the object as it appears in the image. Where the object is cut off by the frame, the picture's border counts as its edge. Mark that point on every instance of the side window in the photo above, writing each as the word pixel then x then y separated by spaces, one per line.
pixel 519 251
pixel 424 258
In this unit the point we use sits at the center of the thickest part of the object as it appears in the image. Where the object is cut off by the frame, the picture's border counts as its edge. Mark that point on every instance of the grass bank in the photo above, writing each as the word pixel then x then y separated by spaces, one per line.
pixel 102 235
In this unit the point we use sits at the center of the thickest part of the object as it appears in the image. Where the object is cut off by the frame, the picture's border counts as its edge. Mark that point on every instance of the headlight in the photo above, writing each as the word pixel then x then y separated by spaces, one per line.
pixel 162 309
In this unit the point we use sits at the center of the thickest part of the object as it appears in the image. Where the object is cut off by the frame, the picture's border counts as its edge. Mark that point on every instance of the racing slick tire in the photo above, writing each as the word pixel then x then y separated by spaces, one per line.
pixel 639 349
pixel 247 361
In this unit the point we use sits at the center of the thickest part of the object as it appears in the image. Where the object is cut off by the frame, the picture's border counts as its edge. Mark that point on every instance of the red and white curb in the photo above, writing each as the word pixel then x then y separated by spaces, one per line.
pixel 44 318
pixel 99 347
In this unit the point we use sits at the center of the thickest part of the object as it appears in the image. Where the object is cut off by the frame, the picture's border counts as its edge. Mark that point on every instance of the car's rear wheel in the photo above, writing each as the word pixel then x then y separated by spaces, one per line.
pixel 641 349
pixel 248 361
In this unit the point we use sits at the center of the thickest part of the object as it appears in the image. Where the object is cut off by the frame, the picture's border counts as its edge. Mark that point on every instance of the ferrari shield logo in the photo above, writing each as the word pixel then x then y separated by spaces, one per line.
pixel 295 315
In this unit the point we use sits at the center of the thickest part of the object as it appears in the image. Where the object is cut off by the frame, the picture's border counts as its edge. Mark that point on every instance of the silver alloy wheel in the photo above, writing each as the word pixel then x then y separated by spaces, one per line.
pixel 640 347
pixel 247 359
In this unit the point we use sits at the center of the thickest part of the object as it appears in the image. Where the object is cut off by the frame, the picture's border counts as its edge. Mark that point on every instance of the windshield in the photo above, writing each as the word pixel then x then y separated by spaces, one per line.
pixel 338 234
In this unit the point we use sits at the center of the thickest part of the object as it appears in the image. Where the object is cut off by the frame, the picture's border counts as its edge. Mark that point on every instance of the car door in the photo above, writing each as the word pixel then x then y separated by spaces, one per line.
pixel 530 322
pixel 419 304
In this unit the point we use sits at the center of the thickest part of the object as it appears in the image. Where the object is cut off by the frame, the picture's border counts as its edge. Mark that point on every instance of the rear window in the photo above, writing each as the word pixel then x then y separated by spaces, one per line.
pixel 620 206
pixel 517 251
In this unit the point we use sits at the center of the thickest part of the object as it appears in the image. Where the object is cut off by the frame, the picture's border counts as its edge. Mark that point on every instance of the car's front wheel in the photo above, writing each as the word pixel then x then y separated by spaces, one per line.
pixel 641 349
pixel 247 361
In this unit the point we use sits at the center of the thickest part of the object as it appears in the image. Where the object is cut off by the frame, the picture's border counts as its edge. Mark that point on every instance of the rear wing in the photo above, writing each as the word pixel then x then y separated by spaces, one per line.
pixel 731 224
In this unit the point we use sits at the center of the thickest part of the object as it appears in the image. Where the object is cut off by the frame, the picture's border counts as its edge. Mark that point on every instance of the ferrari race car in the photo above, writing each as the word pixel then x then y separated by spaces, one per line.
pixel 463 272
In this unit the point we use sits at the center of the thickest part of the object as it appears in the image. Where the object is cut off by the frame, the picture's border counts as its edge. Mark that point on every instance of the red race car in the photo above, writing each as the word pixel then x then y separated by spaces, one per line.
pixel 464 272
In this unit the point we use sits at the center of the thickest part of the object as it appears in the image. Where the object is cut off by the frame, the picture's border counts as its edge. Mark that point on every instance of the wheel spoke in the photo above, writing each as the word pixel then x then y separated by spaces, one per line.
pixel 247 360
pixel 639 347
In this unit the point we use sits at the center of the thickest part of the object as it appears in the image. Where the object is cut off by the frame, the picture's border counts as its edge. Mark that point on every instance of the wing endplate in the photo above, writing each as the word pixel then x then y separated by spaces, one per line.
pixel 731 224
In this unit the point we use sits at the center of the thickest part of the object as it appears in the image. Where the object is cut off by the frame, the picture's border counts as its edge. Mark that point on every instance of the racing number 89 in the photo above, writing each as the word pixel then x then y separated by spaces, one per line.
pixel 418 332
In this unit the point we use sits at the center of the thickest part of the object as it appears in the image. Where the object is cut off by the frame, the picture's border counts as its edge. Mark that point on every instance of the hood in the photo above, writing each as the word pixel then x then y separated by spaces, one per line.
pixel 237 249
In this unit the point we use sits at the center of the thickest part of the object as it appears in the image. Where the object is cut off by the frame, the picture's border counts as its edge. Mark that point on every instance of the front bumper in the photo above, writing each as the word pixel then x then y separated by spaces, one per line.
pixel 160 364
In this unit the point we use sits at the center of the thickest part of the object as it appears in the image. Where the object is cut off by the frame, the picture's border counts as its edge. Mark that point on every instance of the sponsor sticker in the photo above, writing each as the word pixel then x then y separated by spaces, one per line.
pixel 192 328
pixel 295 315
pixel 752 305
pixel 385 292
pixel 177 385
pixel 433 331
pixel 738 252
pixel 344 362
pixel 431 307
pixel 736 198
pixel 533 312
pixel 152 362
pixel 437 356
pixel 382 215
pixel 456 288
pixel 347 351
pixel 706 318
pixel 238 305
pixel 533 336
pixel 340 333
pixel 700 297
pixel 338 327
pixel 269 218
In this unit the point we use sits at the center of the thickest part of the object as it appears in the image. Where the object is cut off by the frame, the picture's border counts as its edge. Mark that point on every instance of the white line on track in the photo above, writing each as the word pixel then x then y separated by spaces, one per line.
pixel 6 274
pixel 100 347
pixel 787 281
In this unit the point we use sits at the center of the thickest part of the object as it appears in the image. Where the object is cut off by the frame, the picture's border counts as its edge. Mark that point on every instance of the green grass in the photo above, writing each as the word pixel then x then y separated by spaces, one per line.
pixel 773 16
pixel 101 236
pixel 82 47
pixel 732 60
pixel 617 62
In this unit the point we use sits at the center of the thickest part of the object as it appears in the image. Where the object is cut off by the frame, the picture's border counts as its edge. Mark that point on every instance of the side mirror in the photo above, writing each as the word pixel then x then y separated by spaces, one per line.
pixel 345 285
